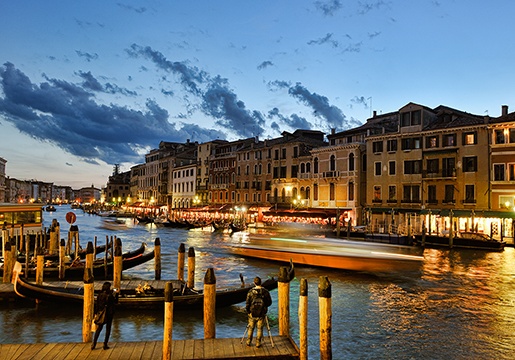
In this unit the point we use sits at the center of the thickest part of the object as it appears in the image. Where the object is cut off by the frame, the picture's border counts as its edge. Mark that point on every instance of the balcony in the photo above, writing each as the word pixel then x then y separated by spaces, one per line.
pixel 446 173
pixel 331 174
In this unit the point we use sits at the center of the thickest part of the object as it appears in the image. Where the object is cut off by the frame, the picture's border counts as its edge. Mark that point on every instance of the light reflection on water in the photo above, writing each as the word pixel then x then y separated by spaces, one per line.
pixel 461 305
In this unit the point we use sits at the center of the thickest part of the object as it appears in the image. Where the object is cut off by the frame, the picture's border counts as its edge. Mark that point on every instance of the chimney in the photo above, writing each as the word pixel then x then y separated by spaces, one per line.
pixel 504 110
pixel 333 131
pixel 374 113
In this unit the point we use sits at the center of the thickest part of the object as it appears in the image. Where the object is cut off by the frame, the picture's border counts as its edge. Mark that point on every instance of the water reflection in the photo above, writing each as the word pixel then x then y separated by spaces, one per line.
pixel 460 305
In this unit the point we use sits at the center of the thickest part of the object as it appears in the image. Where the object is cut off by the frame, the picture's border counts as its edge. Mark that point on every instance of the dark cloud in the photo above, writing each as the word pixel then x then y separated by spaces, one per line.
pixel 325 40
pixel 275 127
pixel 293 121
pixel 87 56
pixel 367 6
pixel 66 115
pixel 213 94
pixel 91 83
pixel 328 8
pixel 265 64
pixel 360 100
pixel 332 116
pixel 139 10
pixel 222 104
pixel 190 76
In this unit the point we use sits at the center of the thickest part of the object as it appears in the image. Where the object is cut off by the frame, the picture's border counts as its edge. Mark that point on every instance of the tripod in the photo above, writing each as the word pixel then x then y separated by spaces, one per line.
pixel 267 327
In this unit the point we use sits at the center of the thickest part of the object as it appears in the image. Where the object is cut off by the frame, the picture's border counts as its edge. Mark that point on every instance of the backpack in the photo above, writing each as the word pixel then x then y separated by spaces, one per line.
pixel 257 305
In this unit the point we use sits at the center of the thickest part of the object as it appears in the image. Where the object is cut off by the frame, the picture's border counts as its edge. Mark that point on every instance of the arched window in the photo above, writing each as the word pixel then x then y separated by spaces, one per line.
pixel 308 193
pixel 351 162
pixel 315 166
pixel 302 168
pixel 294 194
pixel 283 195
pixel 332 163
pixel 308 167
pixel 315 192
pixel 351 191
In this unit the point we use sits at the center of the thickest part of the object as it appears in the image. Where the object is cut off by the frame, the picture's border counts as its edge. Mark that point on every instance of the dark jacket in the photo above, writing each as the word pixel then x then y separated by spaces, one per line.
pixel 106 298
pixel 258 291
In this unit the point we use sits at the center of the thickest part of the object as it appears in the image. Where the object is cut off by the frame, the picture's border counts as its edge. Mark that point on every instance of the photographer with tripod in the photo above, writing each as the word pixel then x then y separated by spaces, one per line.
pixel 258 301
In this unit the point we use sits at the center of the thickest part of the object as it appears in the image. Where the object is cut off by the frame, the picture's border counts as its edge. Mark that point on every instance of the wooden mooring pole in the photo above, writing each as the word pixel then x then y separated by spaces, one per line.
pixel 303 319
pixel 180 262
pixel 168 322
pixel 7 261
pixel 325 314
pixel 117 264
pixel 283 289
pixel 209 304
pixel 89 304
pixel 157 258
pixel 191 268
pixel 40 263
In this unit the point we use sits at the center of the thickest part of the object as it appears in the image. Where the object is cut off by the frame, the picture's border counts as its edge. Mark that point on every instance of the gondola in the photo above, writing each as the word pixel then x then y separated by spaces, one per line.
pixel 183 297
pixel 55 257
pixel 101 269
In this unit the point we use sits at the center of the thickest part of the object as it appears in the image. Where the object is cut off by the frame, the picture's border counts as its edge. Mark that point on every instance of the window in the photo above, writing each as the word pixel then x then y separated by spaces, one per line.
pixel 411 193
pixel 364 163
pixel 294 171
pixel 470 196
pixel 410 143
pixel 449 140
pixel 469 163
pixel 276 154
pixel 282 173
pixel 377 193
pixel 315 166
pixel 351 191
pixel 470 138
pixel 332 163
pixel 448 167
pixel 391 145
pixel 283 154
pixel 511 172
pixel 411 118
pixel 391 167
pixel 331 192
pixel 392 193
pixel 377 167
pixel 377 146
pixel 432 166
pixel 431 142
pixel 315 192
pixel 431 194
pixel 296 152
pixel 351 162
pixel 499 136
pixel 512 136
pixel 449 194
pixel 412 167
pixel 499 172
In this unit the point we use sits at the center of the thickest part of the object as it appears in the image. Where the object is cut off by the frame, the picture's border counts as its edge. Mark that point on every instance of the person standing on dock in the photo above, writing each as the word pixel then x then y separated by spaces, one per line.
pixel 258 301
pixel 105 300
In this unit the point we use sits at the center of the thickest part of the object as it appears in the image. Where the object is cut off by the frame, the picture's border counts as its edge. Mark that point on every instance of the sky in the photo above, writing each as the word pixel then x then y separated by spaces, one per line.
pixel 85 85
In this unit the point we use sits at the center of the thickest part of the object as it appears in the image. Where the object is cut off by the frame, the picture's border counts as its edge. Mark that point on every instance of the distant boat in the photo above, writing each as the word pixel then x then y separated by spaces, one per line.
pixel 335 254
pixel 50 208
pixel 465 240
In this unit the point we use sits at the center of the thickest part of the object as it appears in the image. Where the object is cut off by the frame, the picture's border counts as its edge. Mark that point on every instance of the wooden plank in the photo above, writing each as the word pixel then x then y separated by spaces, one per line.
pixel 148 349
pixel 48 348
pixel 178 349
pixel 60 351
pixel 198 349
pixel 189 347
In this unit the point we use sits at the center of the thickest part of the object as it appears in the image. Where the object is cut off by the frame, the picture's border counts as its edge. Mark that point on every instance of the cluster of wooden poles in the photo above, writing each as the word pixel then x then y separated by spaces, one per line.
pixel 209 308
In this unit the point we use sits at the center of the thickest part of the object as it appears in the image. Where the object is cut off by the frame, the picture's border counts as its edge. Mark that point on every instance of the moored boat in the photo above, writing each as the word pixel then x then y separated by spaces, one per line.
pixel 465 240
pixel 146 297
pixel 101 268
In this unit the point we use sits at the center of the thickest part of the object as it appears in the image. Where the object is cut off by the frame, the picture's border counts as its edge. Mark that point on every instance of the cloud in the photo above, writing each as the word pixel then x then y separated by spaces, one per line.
pixel 365 7
pixel 87 56
pixel 139 10
pixel 325 40
pixel 360 100
pixel 66 115
pixel 265 64
pixel 91 83
pixel 214 96
pixel 328 8
pixel 293 121
pixel 331 115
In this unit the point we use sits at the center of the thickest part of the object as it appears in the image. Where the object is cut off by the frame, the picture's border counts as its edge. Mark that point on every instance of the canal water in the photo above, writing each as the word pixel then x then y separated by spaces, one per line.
pixel 461 305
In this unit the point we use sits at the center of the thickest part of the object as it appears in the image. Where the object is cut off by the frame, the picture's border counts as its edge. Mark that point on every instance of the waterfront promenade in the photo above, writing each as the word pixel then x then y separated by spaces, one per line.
pixel 283 348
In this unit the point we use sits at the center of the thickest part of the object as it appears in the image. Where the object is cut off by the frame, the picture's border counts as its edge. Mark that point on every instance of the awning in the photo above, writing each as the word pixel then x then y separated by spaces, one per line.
pixel 297 213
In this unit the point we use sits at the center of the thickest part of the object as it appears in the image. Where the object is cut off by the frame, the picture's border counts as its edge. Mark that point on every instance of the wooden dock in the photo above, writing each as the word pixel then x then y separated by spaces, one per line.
pixel 204 349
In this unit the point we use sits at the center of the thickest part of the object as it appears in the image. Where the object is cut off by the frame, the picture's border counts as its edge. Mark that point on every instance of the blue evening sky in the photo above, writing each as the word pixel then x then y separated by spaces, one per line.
pixel 88 84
